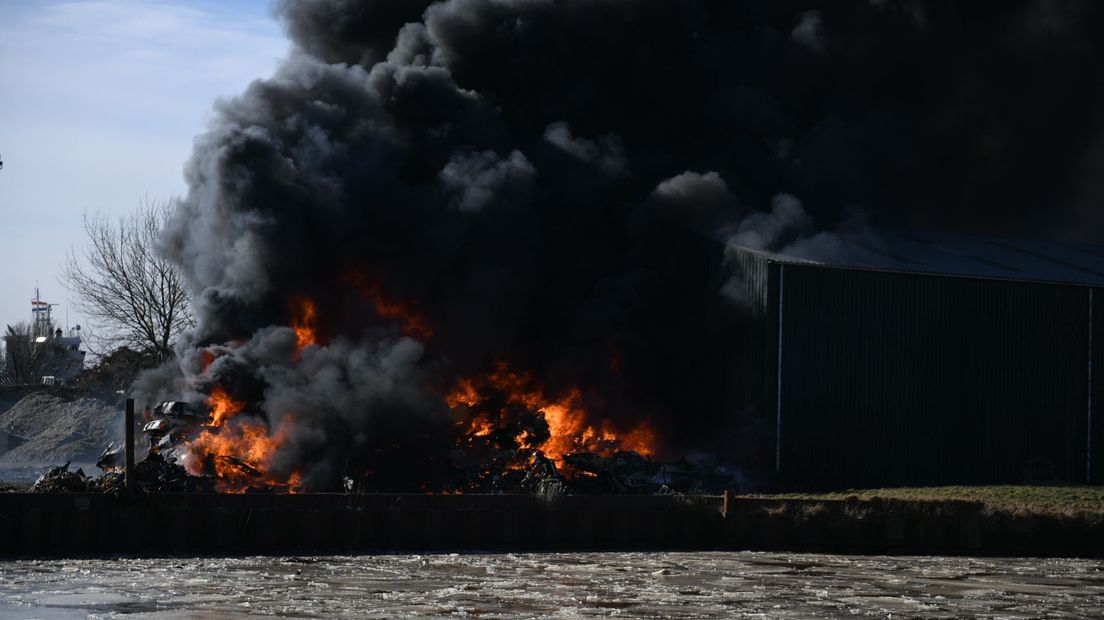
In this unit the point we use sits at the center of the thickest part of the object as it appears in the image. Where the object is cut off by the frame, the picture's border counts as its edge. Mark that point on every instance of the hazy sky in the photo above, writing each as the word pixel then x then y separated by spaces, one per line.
pixel 99 103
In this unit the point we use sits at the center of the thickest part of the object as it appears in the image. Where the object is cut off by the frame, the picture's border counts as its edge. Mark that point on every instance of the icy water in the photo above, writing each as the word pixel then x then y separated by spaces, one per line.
pixel 569 585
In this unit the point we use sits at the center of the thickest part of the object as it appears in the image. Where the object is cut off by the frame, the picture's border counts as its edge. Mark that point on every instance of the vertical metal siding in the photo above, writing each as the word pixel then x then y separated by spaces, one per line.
pixel 1089 392
pixel 1094 425
pixel 893 378
pixel 748 280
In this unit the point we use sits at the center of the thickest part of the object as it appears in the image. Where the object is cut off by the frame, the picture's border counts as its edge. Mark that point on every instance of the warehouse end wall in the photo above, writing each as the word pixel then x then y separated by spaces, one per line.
pixel 901 379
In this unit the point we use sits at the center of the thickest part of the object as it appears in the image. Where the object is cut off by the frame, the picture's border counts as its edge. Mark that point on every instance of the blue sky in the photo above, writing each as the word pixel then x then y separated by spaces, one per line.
pixel 99 103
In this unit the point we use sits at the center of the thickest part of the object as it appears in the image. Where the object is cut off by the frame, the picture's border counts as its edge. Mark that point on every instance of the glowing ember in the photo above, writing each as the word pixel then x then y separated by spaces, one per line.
pixel 481 427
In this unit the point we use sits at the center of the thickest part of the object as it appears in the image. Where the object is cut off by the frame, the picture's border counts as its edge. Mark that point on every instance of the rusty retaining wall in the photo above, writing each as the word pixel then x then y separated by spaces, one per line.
pixel 84 524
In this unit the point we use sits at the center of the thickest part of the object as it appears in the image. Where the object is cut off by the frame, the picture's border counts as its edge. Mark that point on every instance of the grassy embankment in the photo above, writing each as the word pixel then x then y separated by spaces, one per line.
pixel 1054 500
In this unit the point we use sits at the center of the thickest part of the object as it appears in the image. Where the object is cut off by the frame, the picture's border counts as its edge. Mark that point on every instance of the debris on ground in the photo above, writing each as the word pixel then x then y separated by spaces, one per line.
pixel 543 479
pixel 173 423
pixel 111 458
pixel 152 475
pixel 60 480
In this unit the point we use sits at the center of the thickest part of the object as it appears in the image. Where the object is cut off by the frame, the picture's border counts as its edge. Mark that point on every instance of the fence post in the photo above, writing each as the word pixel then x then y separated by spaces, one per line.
pixel 130 482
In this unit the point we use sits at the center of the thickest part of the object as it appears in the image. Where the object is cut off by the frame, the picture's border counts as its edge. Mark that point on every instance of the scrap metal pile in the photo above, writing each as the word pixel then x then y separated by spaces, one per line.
pixel 151 475
pixel 588 473
pixel 171 425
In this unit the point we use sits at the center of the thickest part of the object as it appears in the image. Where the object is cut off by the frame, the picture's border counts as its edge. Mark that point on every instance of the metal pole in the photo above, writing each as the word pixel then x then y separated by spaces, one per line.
pixel 130 444
pixel 1089 407
pixel 778 371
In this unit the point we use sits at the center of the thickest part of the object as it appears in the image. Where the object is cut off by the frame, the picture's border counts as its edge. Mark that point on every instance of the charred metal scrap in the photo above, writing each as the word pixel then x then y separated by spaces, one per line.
pixel 152 475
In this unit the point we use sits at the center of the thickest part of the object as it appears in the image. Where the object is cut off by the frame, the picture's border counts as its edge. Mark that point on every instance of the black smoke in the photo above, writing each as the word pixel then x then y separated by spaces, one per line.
pixel 535 178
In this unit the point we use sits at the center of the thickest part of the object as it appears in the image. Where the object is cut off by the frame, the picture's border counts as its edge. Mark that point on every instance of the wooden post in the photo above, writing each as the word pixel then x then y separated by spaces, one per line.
pixel 130 482
pixel 729 502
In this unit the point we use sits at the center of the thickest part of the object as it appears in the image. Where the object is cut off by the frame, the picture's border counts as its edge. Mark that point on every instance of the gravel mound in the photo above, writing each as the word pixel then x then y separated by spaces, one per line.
pixel 60 428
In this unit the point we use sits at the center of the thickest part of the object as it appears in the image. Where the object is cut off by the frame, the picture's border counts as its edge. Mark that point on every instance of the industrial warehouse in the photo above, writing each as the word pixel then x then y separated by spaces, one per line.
pixel 925 359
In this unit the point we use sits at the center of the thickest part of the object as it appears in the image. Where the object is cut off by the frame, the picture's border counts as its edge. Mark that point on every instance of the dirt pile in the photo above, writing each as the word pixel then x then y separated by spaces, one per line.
pixel 60 426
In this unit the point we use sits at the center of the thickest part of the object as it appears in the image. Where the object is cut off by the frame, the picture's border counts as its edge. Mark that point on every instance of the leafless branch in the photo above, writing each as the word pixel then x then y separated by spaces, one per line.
pixel 121 283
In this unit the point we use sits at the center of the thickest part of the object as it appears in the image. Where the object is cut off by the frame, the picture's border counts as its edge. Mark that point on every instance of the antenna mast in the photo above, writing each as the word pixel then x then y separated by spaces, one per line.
pixel 42 311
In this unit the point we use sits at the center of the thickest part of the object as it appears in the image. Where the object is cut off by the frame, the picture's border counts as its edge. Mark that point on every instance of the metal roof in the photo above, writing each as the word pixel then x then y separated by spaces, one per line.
pixel 952 254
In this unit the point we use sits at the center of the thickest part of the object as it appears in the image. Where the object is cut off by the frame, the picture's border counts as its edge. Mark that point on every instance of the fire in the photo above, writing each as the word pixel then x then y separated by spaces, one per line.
pixel 481 427
pixel 240 454
pixel 236 449
pixel 640 439
pixel 411 322
pixel 303 322
pixel 569 431
pixel 464 394
pixel 505 418
pixel 569 427
pixel 222 406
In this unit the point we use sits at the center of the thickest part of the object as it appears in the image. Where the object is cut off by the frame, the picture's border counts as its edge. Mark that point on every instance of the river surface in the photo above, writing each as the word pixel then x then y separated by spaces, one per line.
pixel 567 585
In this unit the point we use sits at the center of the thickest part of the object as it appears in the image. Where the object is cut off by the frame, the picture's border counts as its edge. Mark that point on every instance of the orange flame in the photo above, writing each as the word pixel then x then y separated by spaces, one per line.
pixel 464 394
pixel 481 427
pixel 640 439
pixel 241 454
pixel 411 321
pixel 413 324
pixel 570 428
pixel 302 321
pixel 222 406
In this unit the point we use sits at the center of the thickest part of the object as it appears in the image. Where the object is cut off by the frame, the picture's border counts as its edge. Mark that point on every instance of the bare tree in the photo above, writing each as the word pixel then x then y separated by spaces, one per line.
pixel 136 297
pixel 6 371
pixel 23 361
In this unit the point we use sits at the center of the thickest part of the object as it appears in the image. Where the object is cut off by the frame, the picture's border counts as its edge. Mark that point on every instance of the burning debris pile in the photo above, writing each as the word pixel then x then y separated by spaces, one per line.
pixel 501 431
pixel 452 246
pixel 530 452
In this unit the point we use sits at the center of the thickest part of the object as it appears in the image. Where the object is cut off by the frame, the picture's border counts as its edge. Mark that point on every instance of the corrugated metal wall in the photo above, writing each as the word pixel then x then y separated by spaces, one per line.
pixel 747 280
pixel 1094 442
pixel 733 362
pixel 896 378
pixel 748 286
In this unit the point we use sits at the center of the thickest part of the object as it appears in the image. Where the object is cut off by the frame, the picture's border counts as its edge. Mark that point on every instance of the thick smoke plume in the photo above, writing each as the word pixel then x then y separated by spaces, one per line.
pixel 468 182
